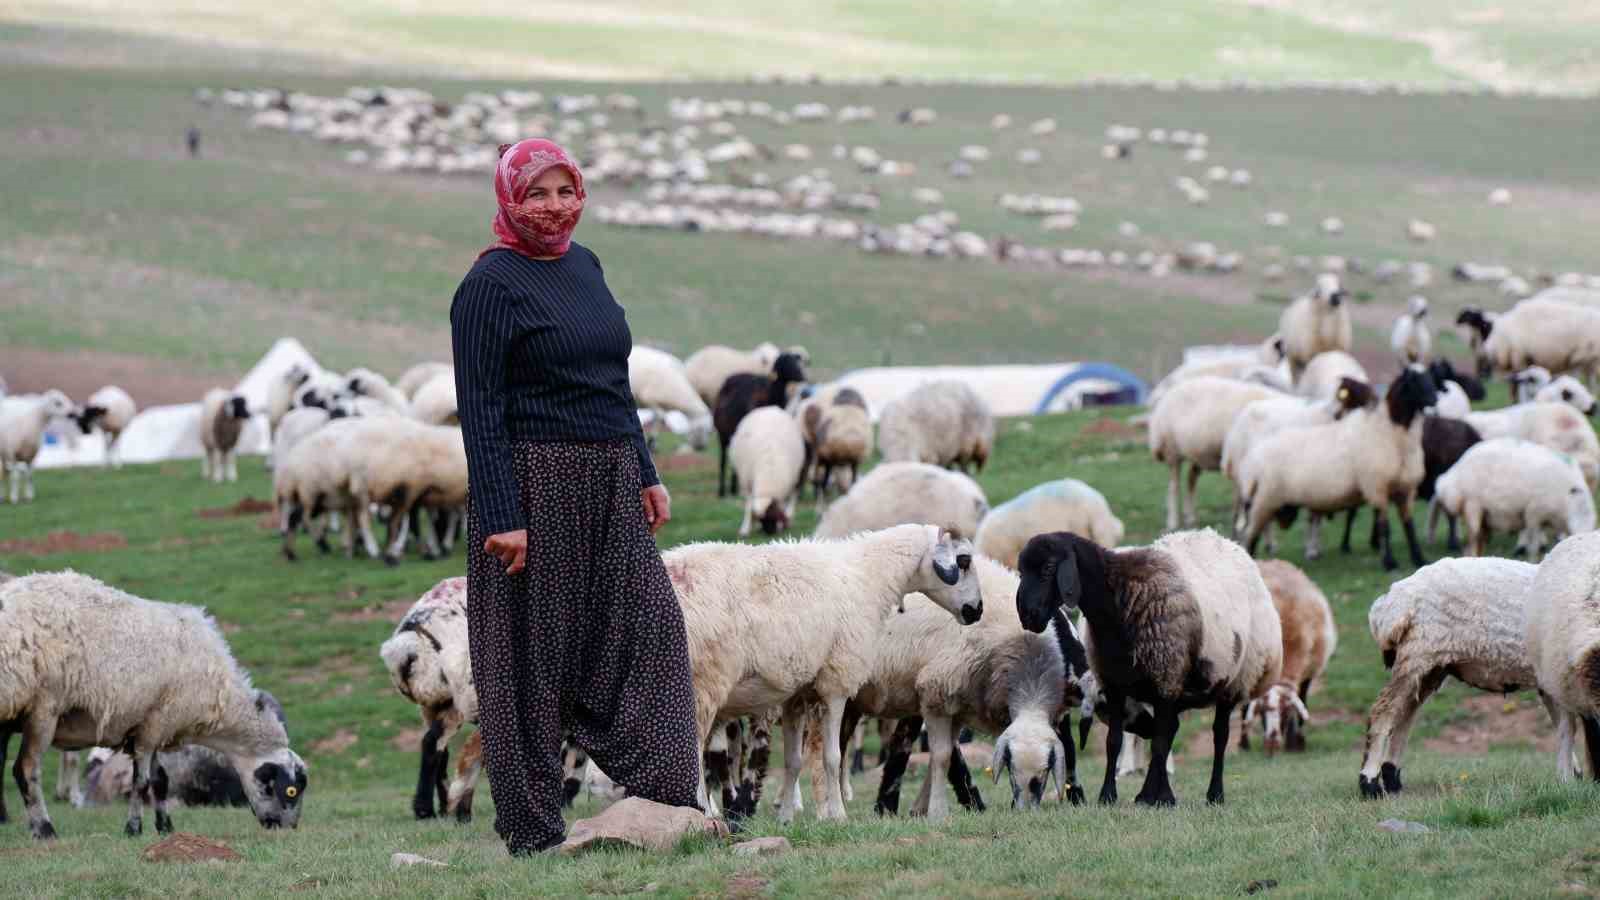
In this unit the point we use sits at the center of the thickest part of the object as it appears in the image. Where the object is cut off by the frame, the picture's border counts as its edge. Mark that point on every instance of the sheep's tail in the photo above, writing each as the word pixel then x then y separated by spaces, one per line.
pixel 1389 620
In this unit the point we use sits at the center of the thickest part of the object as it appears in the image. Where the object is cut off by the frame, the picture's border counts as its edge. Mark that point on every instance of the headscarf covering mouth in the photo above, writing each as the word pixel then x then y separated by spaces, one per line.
pixel 535 231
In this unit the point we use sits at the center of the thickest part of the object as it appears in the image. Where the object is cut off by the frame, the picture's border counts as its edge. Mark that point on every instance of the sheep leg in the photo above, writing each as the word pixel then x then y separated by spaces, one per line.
pixel 205 467
pixel 233 464
pixel 1114 711
pixel 5 742
pixel 1402 733
pixel 1219 748
pixel 67 787
pixel 135 823
pixel 941 741
pixel 1190 516
pixel 788 800
pixel 1410 528
pixel 400 525
pixel 462 787
pixel 1157 790
pixel 744 524
pixel 722 465
pixel 1349 522
pixel 960 778
pixel 850 729
pixel 1314 536
pixel 858 741
pixel 1244 727
pixel 1175 475
pixel 159 784
pixel 1387 724
pixel 1564 748
pixel 1381 525
pixel 573 762
pixel 422 800
pixel 832 760
pixel 755 773
pixel 429 528
pixel 38 731
pixel 734 732
pixel 27 482
pixel 363 517
pixel 1073 788
pixel 896 755
pixel 1591 742
pixel 1373 536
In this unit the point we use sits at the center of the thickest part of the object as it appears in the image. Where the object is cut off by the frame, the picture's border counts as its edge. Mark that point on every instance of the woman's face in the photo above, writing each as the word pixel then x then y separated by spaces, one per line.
pixel 552 189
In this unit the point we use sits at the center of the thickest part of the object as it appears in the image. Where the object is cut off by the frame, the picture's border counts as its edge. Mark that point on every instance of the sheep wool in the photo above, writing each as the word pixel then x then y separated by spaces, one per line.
pixel 1554 425
pixel 1064 505
pixel 940 422
pixel 1508 484
pixel 1190 424
pixel 660 382
pixel 769 457
pixel 1315 323
pixel 1309 639
pixel 904 492
pixel 111 409
pixel 1324 372
pixel 1563 643
pixel 708 367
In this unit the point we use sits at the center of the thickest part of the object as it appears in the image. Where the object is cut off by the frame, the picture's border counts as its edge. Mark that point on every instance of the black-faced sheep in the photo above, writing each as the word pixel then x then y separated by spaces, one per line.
pixel 739 395
pixel 110 409
pixel 1183 623
pixel 1315 323
pixel 222 418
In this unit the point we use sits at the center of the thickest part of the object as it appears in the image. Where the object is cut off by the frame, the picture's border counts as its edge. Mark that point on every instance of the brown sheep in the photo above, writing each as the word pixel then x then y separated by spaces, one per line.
pixel 1309 639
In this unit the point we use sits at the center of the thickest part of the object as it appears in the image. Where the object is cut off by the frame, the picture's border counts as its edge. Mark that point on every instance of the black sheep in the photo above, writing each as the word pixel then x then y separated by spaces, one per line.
pixel 1443 442
pixel 742 393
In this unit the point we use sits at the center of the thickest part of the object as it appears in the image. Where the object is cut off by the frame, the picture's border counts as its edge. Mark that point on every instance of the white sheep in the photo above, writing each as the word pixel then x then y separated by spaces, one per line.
pixel 1063 505
pixel 1560 336
pixel 1508 484
pixel 769 458
pixel 414 466
pixel 1555 425
pixel 85 665
pixel 1323 374
pixel 1568 390
pixel 367 383
pixel 1190 424
pixel 313 480
pixel 898 493
pixel 281 392
pixel 1457 617
pixel 1244 365
pixel 660 382
pixel 23 418
pixel 111 409
pixel 1563 644
pixel 1183 623
pixel 939 422
pixel 788 622
pixel 1315 323
pixel 434 402
pixel 222 418
pixel 1410 338
pixel 708 367
pixel 412 380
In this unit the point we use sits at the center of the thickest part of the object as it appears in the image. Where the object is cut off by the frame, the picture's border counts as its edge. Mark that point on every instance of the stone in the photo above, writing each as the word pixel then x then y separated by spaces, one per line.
pixel 765 846
pixel 636 822
pixel 402 860
pixel 1400 826
pixel 189 848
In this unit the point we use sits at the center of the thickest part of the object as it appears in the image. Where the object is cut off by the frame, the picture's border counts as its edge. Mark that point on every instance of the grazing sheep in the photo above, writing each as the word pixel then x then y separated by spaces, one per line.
pixel 412 380
pixel 414 466
pixel 1508 484
pixel 1190 425
pixel 1309 639
pixel 1315 323
pixel 1325 372
pixel 1458 617
pixel 1410 339
pixel 80 667
pixel 944 423
pixel 824 603
pixel 1247 365
pixel 111 409
pixel 434 403
pixel 1525 385
pixel 708 367
pixel 769 458
pixel 660 382
pixel 1371 456
pixel 23 418
pixel 1564 651
pixel 313 480
pixel 222 418
pixel 1555 425
pixel 838 431
pixel 1183 623
pixel 1064 505
pixel 742 393
pixel 899 493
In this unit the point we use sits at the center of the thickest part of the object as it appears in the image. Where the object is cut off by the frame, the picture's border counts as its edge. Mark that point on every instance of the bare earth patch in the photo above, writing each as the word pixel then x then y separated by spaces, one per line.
pixel 66 542
pixel 407 739
pixel 1108 427
pixel 388 611
pixel 340 741
pixel 249 506
pixel 1496 720
pixel 189 848
pixel 79 373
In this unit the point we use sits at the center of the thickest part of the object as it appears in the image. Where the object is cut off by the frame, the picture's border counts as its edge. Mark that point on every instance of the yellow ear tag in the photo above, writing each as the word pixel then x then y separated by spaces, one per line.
pixel 291 792
pixel 1344 393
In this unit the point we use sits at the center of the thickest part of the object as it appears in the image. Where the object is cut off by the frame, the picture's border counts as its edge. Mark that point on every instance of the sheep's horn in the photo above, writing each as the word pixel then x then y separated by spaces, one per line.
pixel 995 762
pixel 1300 707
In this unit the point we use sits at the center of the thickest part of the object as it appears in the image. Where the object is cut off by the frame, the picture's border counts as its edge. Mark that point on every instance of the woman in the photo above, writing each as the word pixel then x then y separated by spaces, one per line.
pixel 573 625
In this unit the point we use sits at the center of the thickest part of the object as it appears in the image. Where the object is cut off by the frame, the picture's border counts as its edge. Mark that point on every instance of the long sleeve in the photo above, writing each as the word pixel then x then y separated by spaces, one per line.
pixel 480 332
pixel 647 466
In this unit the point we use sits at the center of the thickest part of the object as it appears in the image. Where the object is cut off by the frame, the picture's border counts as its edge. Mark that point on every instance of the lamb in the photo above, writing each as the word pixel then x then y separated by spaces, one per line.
pixel 412 380
pixel 898 493
pixel 1561 647
pixel 1183 623
pixel 222 418
pixel 1064 505
pixel 708 367
pixel 1560 336
pixel 838 433
pixel 1326 371
pixel 1371 456
pixel 1309 639
pixel 941 422
pixel 1509 484
pixel 769 458
pixel 415 466
pixel 1410 339
pixel 742 393
pixel 825 603
pixel 367 383
pixel 1315 323
pixel 660 382
pixel 23 418
pixel 111 409
pixel 1458 617
pixel 1555 425
pixel 72 675
pixel 1190 424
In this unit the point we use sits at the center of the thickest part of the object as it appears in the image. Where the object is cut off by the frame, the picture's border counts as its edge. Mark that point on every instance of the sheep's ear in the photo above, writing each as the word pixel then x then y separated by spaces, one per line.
pixel 1300 707
pixel 1001 758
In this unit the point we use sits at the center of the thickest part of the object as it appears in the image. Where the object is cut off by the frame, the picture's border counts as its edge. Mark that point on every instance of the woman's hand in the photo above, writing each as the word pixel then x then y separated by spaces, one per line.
pixel 510 547
pixel 657 506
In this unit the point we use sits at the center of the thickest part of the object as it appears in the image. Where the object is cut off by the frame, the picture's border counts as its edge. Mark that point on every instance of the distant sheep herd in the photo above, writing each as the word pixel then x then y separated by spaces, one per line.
pixel 926 606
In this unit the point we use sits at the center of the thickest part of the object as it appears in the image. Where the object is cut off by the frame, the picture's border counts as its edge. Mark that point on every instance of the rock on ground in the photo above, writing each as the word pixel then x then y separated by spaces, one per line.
pixel 766 846
pixel 1401 826
pixel 636 822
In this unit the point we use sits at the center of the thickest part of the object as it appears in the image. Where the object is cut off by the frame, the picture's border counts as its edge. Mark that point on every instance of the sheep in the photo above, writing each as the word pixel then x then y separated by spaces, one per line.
pixel 1315 323
pixel 1190 424
pixel 434 403
pixel 1457 617
pixel 838 433
pixel 1568 390
pixel 897 493
pixel 1421 232
pixel 659 382
pixel 72 676
pixel 222 418
pixel 1309 639
pixel 301 422
pixel 742 393
pixel 1064 505
pixel 1560 336
pixel 708 367
pixel 367 383
pixel 1444 441
pixel 314 479
pixel 1510 484
pixel 196 776
pixel 1410 339
pixel 1526 384
pixel 111 409
pixel 939 422
pixel 1325 372
pixel 824 603
pixel 281 392
pixel 1561 648
pixel 415 466
pixel 1183 623
pixel 1245 365
pixel 412 380
pixel 1555 425
pixel 1371 456
pixel 23 418
pixel 769 457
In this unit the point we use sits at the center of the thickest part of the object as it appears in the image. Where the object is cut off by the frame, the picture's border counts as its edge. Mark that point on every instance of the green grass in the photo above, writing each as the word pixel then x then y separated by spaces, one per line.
pixel 309 632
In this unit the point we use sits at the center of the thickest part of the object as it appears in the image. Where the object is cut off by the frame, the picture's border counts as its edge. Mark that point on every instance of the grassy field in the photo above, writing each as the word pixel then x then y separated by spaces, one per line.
pixel 310 631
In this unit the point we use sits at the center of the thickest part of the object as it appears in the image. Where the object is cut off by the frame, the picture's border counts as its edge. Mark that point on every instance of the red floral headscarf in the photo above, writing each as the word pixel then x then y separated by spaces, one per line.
pixel 520 227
